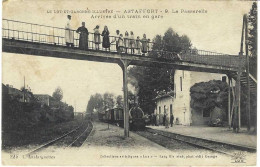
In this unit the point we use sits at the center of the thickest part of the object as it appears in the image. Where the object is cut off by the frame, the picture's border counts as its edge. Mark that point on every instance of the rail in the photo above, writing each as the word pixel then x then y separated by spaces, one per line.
pixel 37 33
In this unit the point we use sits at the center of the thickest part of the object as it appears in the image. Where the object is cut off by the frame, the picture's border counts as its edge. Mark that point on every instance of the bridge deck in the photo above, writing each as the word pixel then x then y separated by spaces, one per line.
pixel 48 50
pixel 29 38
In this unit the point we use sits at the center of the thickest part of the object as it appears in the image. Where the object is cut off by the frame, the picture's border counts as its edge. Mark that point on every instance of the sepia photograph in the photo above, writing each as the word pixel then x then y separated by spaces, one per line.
pixel 129 83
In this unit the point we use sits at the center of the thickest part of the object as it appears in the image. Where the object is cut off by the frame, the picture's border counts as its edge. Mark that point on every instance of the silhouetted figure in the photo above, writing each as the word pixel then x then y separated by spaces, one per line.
pixel 153 119
pixel 83 38
pixel 164 118
pixel 144 42
pixel 171 120
pixel 148 45
pixel 167 120
pixel 157 120
pixel 138 45
pixel 132 42
pixel 106 42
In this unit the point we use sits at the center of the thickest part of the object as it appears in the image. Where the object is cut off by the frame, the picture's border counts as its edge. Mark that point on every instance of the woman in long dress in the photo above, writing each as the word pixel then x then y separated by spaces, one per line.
pixel 106 42
pixel 83 38
pixel 144 42
pixel 132 42
pixel 96 37
pixel 121 43
pixel 126 40
pixel 138 45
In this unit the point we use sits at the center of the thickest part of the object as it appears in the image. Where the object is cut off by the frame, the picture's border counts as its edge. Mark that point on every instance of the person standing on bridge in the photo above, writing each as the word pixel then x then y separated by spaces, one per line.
pixel 69 33
pixel 148 45
pixel 144 44
pixel 96 37
pixel 121 43
pixel 132 42
pixel 138 45
pixel 83 38
pixel 106 42
pixel 116 39
pixel 126 39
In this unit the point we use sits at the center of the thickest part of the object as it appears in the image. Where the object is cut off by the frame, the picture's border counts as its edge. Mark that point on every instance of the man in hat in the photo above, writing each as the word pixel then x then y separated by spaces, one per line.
pixel 69 33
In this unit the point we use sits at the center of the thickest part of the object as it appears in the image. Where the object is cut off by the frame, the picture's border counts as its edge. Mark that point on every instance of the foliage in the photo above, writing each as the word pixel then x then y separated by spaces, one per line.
pixel 58 94
pixel 95 102
pixel 103 102
pixel 18 115
pixel 252 39
pixel 119 101
pixel 205 96
pixel 152 81
pixel 208 95
pixel 108 101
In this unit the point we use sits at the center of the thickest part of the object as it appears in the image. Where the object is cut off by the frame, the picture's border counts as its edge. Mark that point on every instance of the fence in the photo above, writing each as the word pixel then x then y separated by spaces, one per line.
pixel 31 32
pixel 37 33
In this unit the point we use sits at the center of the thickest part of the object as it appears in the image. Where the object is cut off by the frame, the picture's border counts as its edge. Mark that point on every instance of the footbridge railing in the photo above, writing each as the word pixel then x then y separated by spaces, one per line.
pixel 43 34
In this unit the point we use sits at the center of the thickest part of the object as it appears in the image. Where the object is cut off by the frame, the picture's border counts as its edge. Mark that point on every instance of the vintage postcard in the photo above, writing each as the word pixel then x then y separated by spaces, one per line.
pixel 129 83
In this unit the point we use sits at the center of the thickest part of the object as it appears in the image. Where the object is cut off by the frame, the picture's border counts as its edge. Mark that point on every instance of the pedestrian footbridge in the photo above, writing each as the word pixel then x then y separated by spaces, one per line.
pixel 48 41
pixel 42 40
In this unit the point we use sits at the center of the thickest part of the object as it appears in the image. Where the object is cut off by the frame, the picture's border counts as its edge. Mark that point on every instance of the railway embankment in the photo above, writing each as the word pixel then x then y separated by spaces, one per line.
pixel 30 138
pixel 25 118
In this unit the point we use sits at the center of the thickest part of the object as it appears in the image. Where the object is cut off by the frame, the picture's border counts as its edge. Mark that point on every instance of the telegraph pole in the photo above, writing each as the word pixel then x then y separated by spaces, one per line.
pixel 247 75
pixel 229 101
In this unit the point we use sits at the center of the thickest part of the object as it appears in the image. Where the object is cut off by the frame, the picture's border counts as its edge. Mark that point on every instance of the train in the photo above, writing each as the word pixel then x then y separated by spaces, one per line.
pixel 116 116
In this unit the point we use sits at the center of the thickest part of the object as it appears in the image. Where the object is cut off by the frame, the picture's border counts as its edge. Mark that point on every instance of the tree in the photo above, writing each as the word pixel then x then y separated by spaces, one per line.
pixel 109 102
pixel 208 95
pixel 95 102
pixel 151 81
pixel 58 94
pixel 119 101
pixel 252 39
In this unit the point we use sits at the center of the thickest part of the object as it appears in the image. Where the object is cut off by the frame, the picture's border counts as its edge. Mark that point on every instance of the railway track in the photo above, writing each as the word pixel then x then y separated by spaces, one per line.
pixel 221 148
pixel 73 138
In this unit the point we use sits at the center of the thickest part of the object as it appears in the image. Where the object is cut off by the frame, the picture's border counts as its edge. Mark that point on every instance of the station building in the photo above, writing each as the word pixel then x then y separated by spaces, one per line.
pixel 177 102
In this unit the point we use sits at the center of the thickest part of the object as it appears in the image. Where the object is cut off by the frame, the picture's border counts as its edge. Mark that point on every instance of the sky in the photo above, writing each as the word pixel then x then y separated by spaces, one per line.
pixel 217 30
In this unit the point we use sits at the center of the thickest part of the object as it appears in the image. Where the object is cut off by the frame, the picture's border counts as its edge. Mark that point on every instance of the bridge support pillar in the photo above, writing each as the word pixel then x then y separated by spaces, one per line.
pixel 239 105
pixel 237 114
pixel 247 77
pixel 229 102
pixel 124 64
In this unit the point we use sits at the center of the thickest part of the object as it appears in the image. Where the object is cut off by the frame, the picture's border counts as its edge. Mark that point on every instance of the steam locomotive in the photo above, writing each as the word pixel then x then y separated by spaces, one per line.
pixel 116 116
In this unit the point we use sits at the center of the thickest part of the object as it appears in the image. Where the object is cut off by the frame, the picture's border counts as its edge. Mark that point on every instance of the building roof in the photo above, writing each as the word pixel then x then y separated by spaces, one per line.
pixel 41 95
pixel 169 94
